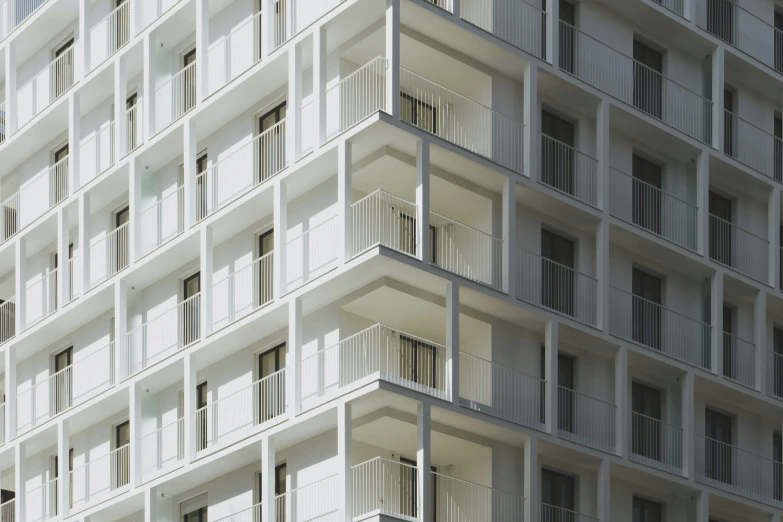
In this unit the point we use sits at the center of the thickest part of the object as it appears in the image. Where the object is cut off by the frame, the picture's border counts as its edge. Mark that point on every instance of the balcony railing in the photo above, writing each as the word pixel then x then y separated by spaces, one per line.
pixel 738 248
pixel 162 336
pixel 163 448
pixel 655 443
pixel 242 292
pixel 308 11
pixel 41 298
pixel 175 97
pixel 25 9
pixel 517 22
pixel 550 513
pixel 741 472
pixel 466 251
pixel 318 501
pixel 235 53
pixel 7 320
pixel 2 432
pixel 8 511
pixel 162 221
pixel 461 121
pixel 96 153
pixel 654 326
pixel 311 254
pixel 235 174
pixel 110 34
pixel 740 28
pixel 75 279
pixel 241 413
pixel 134 127
pixel 3 130
pixel 109 255
pixel 379 352
pixel 385 487
pixel 457 500
pixel 557 287
pixel 85 378
pixel 501 392
pixel 586 420
pixel 45 87
pixel 386 220
pixel 775 374
pixel 653 209
pixel 356 97
pixel 41 502
pixel 251 514
pixel 568 170
pixel 739 360
pixel 675 6
pixel 101 478
pixel 634 83
pixel 753 146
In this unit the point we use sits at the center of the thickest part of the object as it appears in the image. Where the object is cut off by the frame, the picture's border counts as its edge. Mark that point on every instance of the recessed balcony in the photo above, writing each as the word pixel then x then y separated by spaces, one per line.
pixel 235 52
pixel 96 153
pixel 110 34
pixel 101 478
pixel 109 254
pixel 737 248
pixel 41 502
pixel 243 291
pixel 586 420
pixel 162 221
pixel 162 449
pixel 753 146
pixel 739 360
pixel 518 23
pixel 655 442
pixel 568 170
pixel 46 87
pixel 176 96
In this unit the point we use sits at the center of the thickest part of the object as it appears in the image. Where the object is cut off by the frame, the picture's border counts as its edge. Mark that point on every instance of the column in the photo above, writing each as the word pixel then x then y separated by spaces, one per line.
pixel 294 105
pixel 84 240
pixel 509 235
pixel 134 204
pixel 688 425
pixel 603 490
pixel 423 461
pixel 452 339
pixel 74 139
pixel 760 338
pixel 423 200
pixel 82 62
pixel 135 20
pixel 9 23
pixel 773 235
pixel 531 116
pixel 531 478
pixel 268 30
pixel 121 331
pixel 703 506
pixel 603 269
pixel 280 227
pixel 717 98
pixel 120 99
pixel 202 50
pixel 10 392
pixel 190 174
pixel 268 478
pixel 621 399
pixel 191 443
pixel 344 198
pixel 63 469
pixel 293 379
pixel 136 394
pixel 550 372
pixel 21 282
pixel 393 57
pixel 10 81
pixel 552 30
pixel 63 262
pixel 602 137
pixel 151 505
pixel 716 316
pixel 149 86
pixel 703 201
pixel 319 82
pixel 20 480
pixel 344 441
pixel 207 256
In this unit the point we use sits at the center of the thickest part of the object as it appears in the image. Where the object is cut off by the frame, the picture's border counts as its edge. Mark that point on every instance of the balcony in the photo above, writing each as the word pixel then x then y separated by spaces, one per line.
pixel 657 211
pixel 134 128
pixel 162 449
pixel 311 254
pixel 316 501
pixel 654 326
pixel 235 53
pixel 383 219
pixel 568 170
pixel 24 10
pixel 41 502
pixel 7 320
pixel 242 292
pixel 251 514
pixel 109 255
pixel 379 352
pixel 738 471
pixel 110 34
pixel 656 443
pixel 353 99
pixel 753 146
pixel 501 392
pixel 634 83
pixel 586 420
pixel 739 360
pixel 162 221
pixel 550 513
pixel 46 87
pixel 675 6
pixel 175 97
pixel 745 31
pixel 557 287
pixel 101 478
pixel 774 371
pixel 737 248
pixel 41 298
pixel 151 11
pixel 518 23
pixel 8 511
pixel 96 153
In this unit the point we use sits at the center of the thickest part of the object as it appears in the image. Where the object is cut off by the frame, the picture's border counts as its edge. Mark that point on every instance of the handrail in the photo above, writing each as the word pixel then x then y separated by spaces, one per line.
pixel 660 306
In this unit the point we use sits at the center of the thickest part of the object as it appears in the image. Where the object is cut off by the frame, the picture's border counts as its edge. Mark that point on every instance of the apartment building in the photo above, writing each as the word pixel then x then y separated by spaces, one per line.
pixel 418 260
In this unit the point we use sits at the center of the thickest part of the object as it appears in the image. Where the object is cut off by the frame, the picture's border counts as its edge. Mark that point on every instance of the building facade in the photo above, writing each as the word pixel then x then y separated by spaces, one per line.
pixel 419 260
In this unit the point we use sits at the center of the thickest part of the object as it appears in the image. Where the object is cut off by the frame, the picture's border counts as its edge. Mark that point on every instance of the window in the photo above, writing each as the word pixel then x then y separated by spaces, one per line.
pixel 409 488
pixel 418 361
pixel 271 391
pixel 568 36
pixel 777 365
pixel 63 384
pixel 132 123
pixel 646 428
pixel 188 82
pixel 62 76
pixel 190 309
pixel 121 218
pixel 729 122
pixel 647 79
pixel 202 399
pixel 558 492
pixel 557 275
pixel 778 131
pixel 646 309
pixel 195 509
pixel 271 149
pixel 121 460
pixel 718 428
pixel 730 354
pixel 557 168
pixel 777 465
pixel 202 185
pixel 266 245
pixel 59 185
pixel 56 466
pixel 418 113
pixel 721 228
pixel 645 510
pixel 281 487
pixel 647 177
pixel 566 379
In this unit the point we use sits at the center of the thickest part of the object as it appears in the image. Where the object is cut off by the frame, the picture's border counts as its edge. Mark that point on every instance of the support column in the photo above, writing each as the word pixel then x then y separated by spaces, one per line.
pixel 20 480
pixel 760 338
pixel 602 137
pixel 344 198
pixel 393 57
pixel 319 82
pixel 136 394
pixel 21 282
pixel 191 443
pixel 423 200
pixel 10 392
pixel 135 17
pixel 552 30
pixel 716 318
pixel 344 442
pixel 74 139
pixel 10 81
pixel 120 99
pixel 603 488
pixel 121 330
pixel 134 225
pixel 207 256
pixel 268 478
pixel 452 340
pixel 703 201
pixel 63 469
pixel 703 507
pixel 82 63
pixel 294 105
pixel 550 372
pixel 718 83
pixel 621 399
pixel 151 505
pixel 688 425
pixel 149 86
pixel 190 173
pixel 531 478
pixel 84 241
pixel 531 116
pixel 294 355
pixel 773 235
pixel 280 227
pixel 423 461
pixel 63 262
pixel 603 269
pixel 268 31
pixel 509 235
pixel 202 50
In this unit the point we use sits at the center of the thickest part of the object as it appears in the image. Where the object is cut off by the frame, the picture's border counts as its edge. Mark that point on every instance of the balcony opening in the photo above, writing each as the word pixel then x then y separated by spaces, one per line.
pixel 648 79
pixel 718 455
pixel 721 19
pixel 648 296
